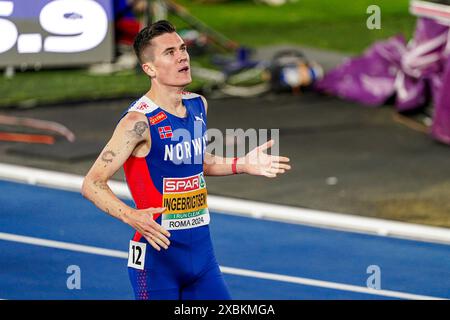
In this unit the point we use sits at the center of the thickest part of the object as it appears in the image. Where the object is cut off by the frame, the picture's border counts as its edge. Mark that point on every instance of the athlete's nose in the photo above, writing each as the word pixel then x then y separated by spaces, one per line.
pixel 184 56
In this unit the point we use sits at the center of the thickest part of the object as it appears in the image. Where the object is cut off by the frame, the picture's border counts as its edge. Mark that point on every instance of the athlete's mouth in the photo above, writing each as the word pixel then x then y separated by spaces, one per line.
pixel 185 69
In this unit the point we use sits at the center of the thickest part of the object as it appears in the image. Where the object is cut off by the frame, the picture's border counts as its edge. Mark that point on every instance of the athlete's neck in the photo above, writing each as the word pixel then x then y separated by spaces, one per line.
pixel 168 98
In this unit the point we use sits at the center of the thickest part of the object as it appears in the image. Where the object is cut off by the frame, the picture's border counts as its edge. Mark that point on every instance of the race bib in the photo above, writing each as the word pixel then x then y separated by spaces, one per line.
pixel 185 200
pixel 136 255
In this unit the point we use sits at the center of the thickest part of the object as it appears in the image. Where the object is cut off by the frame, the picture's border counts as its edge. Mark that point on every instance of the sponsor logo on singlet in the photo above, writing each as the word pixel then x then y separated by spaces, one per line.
pixel 185 200
pixel 157 118
pixel 142 106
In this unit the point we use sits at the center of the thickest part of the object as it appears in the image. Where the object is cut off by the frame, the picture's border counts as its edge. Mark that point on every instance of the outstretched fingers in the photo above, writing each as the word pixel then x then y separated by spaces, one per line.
pixel 156 238
pixel 275 170
pixel 155 234
pixel 156 242
pixel 278 165
pixel 280 159
pixel 150 240
pixel 160 233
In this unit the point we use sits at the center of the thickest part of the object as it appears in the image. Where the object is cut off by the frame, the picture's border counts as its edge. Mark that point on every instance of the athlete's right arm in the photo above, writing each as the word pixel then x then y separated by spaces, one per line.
pixel 131 131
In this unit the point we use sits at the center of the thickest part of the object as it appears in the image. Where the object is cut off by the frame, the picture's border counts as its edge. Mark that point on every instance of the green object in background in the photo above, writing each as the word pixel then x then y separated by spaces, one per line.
pixel 29 89
pixel 338 25
pixel 329 24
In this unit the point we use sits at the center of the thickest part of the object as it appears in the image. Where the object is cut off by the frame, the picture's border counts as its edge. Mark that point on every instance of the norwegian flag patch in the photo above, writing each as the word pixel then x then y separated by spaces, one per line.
pixel 165 132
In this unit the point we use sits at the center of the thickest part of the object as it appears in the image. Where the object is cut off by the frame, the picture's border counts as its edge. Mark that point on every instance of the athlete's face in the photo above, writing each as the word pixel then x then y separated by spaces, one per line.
pixel 169 61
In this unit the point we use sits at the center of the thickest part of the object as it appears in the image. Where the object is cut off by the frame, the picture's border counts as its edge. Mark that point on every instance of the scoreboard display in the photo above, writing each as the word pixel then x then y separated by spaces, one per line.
pixel 55 32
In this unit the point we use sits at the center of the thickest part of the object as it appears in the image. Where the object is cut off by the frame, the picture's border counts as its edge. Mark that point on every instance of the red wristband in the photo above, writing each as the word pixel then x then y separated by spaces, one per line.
pixel 234 166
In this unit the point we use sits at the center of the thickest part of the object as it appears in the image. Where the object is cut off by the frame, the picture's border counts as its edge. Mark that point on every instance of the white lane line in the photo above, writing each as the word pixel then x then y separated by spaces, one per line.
pixel 63 245
pixel 252 209
pixel 325 284
pixel 226 270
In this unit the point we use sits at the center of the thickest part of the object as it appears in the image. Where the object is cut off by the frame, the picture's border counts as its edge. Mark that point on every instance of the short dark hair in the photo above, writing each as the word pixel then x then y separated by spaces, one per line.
pixel 145 36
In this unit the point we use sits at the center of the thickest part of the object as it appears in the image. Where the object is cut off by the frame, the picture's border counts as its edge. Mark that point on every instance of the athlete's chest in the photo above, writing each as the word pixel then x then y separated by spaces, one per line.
pixel 178 140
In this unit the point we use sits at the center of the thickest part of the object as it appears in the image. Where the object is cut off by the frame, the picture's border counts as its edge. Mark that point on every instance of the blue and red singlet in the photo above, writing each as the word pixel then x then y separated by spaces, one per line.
pixel 171 175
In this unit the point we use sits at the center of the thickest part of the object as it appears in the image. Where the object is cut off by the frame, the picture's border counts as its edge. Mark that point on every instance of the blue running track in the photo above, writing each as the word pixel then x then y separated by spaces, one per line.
pixel 33 271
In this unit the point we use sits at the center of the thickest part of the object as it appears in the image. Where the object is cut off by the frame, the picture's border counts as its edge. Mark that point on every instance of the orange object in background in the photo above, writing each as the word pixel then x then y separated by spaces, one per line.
pixel 27 138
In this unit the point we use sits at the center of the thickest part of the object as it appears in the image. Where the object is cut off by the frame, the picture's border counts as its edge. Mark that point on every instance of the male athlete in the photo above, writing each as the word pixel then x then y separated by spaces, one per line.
pixel 160 141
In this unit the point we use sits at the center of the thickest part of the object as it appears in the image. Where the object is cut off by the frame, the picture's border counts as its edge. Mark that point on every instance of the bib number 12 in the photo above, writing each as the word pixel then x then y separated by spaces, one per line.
pixel 136 255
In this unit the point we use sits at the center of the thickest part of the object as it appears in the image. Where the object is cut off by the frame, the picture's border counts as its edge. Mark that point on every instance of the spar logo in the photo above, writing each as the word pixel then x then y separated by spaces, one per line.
pixel 202 180
pixel 178 185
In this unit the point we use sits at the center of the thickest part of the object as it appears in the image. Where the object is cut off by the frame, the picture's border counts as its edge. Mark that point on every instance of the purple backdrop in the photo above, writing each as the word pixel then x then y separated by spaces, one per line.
pixel 406 70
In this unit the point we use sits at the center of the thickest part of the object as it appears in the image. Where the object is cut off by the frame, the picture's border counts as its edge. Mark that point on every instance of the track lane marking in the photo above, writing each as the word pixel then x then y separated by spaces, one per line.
pixel 226 270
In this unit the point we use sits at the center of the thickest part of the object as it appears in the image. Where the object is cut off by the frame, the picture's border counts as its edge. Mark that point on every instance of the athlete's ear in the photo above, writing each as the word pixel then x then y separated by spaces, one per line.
pixel 149 69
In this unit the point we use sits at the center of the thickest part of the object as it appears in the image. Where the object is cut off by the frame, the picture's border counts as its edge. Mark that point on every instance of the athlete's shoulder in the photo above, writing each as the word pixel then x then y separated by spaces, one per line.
pixel 191 95
pixel 136 113
pixel 143 105
pixel 131 121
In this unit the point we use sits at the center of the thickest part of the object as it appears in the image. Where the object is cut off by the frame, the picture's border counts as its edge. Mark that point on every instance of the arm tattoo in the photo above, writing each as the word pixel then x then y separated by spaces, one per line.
pixel 101 184
pixel 139 128
pixel 108 155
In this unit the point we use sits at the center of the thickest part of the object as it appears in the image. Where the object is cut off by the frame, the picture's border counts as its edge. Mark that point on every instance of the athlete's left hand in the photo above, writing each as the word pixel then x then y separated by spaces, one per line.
pixel 259 163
